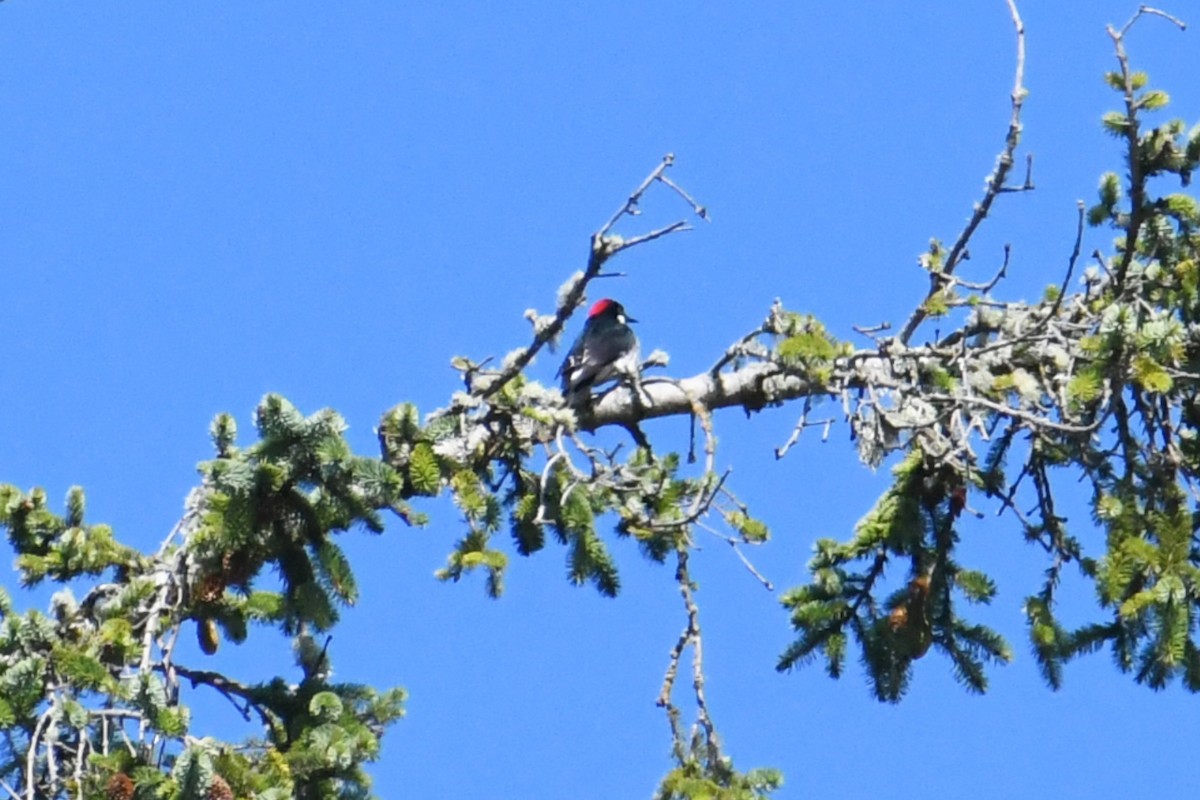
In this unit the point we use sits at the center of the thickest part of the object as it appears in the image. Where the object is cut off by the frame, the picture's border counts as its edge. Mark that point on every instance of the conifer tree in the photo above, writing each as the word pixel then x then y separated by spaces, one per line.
pixel 999 406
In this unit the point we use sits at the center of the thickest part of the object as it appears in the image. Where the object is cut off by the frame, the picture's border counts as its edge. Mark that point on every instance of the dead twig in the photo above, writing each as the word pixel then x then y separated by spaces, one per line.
pixel 995 182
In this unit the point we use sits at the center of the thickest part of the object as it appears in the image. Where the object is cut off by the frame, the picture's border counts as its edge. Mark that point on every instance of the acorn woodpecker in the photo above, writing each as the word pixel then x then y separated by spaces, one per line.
pixel 606 349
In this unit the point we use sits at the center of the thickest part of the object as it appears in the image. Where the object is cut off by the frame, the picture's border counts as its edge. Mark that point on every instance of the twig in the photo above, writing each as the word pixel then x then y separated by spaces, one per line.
pixel 1016 413
pixel 664 694
pixel 700 506
pixel 51 737
pixel 631 202
pixel 733 542
pixel 152 619
pixel 801 424
pixel 106 714
pixel 550 462
pixel 1070 266
pixel 696 639
pixel 702 715
pixel 995 182
pixel 1137 180
pixel 739 348
pixel 989 285
pixel 1027 184
pixel 700 210
pixel 770 587
pixel 1137 177
pixel 710 455
pixel 228 687
pixel 625 244
pixel 691 456
pixel 870 330
pixel 1147 10
pixel 31 755
pixel 691 636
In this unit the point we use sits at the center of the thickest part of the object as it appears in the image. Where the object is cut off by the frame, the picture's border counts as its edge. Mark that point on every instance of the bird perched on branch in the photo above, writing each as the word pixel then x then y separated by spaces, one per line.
pixel 606 349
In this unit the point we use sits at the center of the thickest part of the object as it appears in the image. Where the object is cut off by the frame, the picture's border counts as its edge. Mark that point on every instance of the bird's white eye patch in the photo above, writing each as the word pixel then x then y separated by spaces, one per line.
pixel 621 318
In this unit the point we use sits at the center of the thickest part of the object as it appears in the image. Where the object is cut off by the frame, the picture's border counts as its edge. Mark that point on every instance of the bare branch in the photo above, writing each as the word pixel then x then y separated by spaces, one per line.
pixel 995 182
pixel 230 688
pixel 693 636
pixel 625 244
pixel 1062 292
pixel 668 687
pixel 870 330
pixel 733 542
pixel 1145 10
pixel 635 197
pixel 745 387
pixel 801 424
pixel 700 210
pixel 31 754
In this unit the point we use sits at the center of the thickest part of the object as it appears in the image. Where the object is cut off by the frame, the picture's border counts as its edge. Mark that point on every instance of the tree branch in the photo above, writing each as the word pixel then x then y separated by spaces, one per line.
pixel 995 182
pixel 230 688
pixel 752 386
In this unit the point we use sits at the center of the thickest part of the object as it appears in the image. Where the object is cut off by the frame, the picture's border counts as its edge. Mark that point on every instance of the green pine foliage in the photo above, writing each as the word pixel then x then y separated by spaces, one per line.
pixel 806 346
pixel 103 670
pixel 691 781
pixel 912 523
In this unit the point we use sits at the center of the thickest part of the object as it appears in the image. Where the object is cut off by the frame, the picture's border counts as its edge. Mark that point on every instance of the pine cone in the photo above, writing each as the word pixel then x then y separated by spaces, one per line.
pixel 219 789
pixel 208 636
pixel 120 787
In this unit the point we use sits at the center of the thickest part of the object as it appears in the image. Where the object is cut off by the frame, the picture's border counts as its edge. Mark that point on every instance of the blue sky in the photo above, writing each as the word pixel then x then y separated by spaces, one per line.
pixel 202 203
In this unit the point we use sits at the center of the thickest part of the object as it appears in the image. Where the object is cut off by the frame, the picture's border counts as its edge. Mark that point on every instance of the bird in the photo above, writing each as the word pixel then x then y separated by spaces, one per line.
pixel 607 348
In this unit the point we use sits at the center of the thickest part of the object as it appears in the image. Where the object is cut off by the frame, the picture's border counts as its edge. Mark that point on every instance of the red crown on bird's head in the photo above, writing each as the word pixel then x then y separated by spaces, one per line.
pixel 602 306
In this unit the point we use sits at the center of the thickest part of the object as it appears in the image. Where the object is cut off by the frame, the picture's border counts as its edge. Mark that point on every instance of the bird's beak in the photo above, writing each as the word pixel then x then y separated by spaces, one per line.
pixel 630 319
